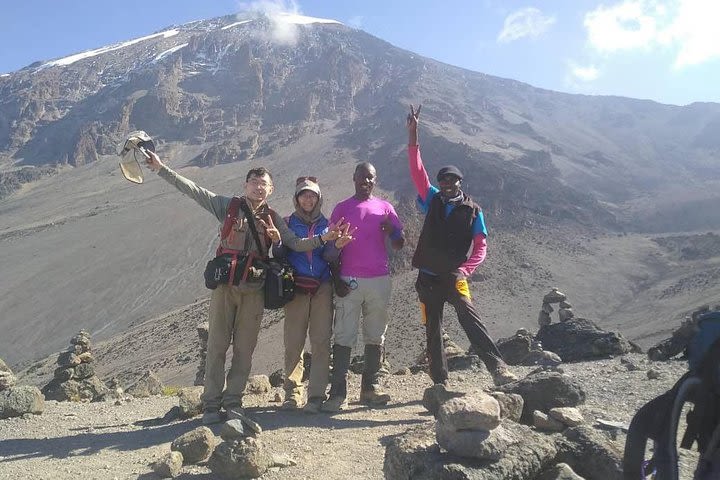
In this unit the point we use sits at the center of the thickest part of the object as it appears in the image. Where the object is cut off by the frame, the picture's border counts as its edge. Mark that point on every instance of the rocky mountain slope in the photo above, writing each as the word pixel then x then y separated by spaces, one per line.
pixel 554 172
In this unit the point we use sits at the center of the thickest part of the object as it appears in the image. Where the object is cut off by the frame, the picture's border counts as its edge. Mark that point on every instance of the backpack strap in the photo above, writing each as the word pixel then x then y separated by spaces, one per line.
pixel 231 216
pixel 253 229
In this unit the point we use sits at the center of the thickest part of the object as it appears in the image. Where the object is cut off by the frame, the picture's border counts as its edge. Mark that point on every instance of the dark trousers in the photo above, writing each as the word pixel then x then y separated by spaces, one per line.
pixel 434 291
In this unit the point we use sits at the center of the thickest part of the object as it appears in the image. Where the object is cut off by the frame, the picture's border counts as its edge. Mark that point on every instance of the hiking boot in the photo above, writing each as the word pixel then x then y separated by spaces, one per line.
pixel 313 405
pixel 371 393
pixel 502 375
pixel 293 399
pixel 211 417
pixel 374 396
pixel 334 404
pixel 338 380
pixel 290 404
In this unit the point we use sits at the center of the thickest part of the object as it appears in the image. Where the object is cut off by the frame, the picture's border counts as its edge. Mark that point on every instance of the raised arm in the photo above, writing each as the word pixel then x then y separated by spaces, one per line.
pixel 417 169
pixel 215 204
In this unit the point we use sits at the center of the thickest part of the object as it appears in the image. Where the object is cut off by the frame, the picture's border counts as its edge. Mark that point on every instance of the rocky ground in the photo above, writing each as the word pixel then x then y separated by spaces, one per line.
pixel 108 441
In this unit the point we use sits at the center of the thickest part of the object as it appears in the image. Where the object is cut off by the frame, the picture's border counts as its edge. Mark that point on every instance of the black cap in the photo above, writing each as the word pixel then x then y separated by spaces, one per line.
pixel 449 170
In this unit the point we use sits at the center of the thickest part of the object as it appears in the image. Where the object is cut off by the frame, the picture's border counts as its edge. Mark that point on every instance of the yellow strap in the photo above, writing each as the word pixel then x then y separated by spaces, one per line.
pixel 423 319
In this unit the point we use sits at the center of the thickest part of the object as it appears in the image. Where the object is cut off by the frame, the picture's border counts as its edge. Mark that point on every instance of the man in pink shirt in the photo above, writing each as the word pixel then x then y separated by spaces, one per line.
pixel 453 221
pixel 365 288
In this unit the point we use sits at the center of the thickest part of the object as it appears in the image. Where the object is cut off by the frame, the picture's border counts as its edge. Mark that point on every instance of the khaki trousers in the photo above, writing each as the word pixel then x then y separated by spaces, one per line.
pixel 308 315
pixel 235 317
pixel 371 299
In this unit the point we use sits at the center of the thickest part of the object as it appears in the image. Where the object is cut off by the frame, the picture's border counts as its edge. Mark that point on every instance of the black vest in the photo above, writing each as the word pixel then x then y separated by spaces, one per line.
pixel 444 242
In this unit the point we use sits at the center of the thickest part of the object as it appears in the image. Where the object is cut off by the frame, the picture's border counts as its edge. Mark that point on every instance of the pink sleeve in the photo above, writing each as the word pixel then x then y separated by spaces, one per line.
pixel 476 257
pixel 417 171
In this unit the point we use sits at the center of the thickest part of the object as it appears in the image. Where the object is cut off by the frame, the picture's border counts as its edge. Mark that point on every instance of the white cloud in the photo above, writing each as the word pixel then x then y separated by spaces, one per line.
pixel 688 28
pixel 526 22
pixel 586 74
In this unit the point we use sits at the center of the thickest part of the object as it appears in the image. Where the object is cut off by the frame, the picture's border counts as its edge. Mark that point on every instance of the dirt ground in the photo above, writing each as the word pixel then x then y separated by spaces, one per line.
pixel 108 441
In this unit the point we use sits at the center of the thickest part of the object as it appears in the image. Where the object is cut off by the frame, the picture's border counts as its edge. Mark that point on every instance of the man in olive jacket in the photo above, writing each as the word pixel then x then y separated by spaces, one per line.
pixel 236 310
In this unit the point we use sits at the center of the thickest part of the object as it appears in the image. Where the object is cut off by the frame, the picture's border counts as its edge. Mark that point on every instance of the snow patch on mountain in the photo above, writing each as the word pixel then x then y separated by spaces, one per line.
pixel 235 24
pixel 167 52
pixel 301 19
pixel 92 53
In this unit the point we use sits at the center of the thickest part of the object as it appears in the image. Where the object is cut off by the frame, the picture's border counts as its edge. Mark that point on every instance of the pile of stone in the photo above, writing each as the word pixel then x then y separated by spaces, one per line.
pixel 74 378
pixel 203 334
pixel 16 401
pixel 478 436
pixel 565 312
pixel 238 454
pixel 470 427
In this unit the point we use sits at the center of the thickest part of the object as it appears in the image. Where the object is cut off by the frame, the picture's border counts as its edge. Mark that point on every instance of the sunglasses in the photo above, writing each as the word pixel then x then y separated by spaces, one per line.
pixel 305 179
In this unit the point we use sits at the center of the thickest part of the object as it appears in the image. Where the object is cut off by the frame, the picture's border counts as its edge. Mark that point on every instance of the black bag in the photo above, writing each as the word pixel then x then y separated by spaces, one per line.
pixel 225 269
pixel 279 275
pixel 279 284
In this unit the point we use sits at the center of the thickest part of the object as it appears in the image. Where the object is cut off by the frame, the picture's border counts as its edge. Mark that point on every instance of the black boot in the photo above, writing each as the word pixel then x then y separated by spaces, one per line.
pixel 371 393
pixel 338 380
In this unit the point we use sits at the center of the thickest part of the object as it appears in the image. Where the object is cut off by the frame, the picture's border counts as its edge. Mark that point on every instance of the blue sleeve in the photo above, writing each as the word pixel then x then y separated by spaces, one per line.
pixel 425 206
pixel 479 225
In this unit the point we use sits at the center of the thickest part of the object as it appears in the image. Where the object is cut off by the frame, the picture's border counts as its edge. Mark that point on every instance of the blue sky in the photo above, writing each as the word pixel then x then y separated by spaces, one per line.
pixel 664 50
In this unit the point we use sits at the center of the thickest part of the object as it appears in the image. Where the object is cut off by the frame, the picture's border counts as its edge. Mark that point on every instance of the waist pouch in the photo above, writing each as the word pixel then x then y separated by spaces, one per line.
pixel 279 283
pixel 306 285
pixel 231 269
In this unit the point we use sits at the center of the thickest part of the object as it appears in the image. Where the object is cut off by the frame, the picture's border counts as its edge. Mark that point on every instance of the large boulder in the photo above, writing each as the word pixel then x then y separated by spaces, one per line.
pixel 436 395
pixel 190 402
pixel 17 401
pixel 545 390
pixel 479 411
pixel 580 339
pixel 414 455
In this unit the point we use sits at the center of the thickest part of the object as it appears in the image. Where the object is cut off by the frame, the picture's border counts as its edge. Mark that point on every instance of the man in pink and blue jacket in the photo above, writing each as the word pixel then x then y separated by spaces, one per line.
pixel 453 222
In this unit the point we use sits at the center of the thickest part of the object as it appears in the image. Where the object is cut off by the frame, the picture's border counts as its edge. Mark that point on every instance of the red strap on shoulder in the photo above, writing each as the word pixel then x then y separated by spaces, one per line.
pixel 230 217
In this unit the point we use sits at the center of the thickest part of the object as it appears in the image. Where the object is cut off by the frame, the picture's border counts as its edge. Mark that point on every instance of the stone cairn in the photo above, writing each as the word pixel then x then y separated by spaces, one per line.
pixel 74 378
pixel 203 334
pixel 18 400
pixel 565 312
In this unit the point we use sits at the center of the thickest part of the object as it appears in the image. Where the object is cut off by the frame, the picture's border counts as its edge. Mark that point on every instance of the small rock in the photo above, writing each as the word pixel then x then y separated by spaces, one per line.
pixel 546 424
pixel 478 411
pixel 567 415
pixel 511 405
pixel 189 401
pixel 195 446
pixel 277 378
pixel 486 445
pixel 232 430
pixel 654 374
pixel 258 384
pixel 435 396
pixel 245 458
pixel 565 314
pixel 403 371
pixel 278 397
pixel 18 401
pixel 561 471
pixel 554 296
pixel 544 319
pixel 169 466
pixel 149 384
pixel 84 370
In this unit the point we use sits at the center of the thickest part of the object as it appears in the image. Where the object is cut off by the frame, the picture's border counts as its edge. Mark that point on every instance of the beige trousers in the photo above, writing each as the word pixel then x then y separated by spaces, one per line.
pixel 235 316
pixel 308 316
pixel 371 299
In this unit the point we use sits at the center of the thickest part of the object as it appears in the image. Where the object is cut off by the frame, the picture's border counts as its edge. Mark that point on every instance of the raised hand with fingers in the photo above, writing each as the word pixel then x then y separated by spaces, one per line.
pixel 334 230
pixel 346 236
pixel 270 229
pixel 412 124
